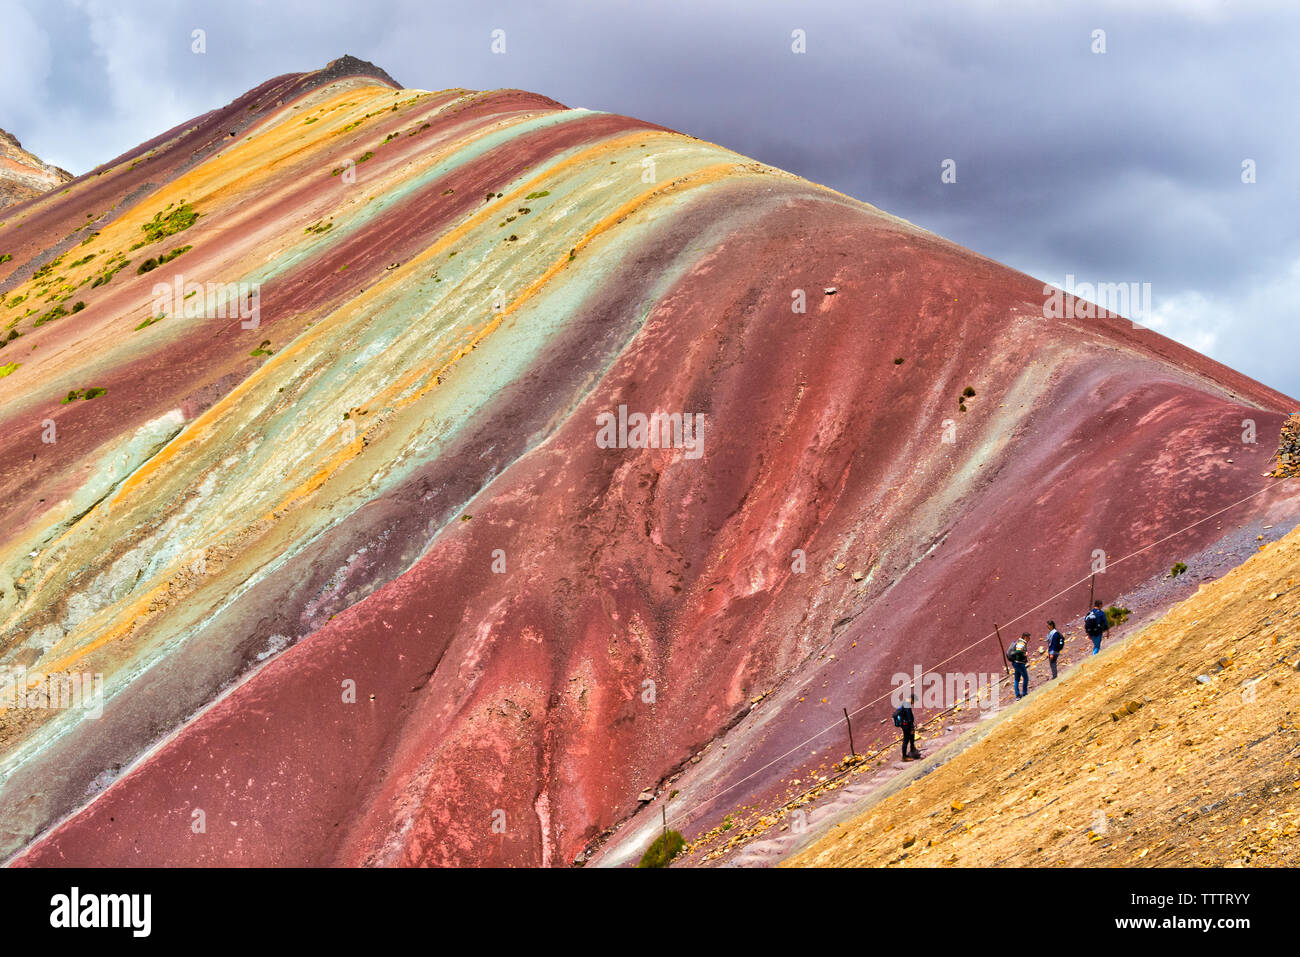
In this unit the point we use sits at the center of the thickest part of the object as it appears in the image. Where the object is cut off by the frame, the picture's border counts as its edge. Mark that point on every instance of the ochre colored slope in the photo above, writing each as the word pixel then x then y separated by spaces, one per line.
pixel 357 573
pixel 1130 760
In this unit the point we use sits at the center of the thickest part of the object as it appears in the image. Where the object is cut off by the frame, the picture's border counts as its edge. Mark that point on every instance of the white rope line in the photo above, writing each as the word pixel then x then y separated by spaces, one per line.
pixel 962 651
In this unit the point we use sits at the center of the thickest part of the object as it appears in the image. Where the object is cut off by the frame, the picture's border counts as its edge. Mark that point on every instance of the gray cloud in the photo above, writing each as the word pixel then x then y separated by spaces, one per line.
pixel 1117 167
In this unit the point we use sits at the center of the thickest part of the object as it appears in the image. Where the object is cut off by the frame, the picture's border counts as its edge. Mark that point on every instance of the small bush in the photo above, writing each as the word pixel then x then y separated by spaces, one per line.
pixel 1116 614
pixel 665 847
pixel 58 312
pixel 968 392
pixel 161 226
pixel 898 361
pixel 1177 570
pixel 76 394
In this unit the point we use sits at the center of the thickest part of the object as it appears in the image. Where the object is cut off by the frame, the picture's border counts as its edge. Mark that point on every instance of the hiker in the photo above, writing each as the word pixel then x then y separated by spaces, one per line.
pixel 903 718
pixel 1019 658
pixel 1055 644
pixel 1096 625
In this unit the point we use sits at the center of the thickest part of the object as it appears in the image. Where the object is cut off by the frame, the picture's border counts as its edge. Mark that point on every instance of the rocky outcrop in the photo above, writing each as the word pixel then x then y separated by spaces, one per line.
pixel 1288 448
pixel 22 175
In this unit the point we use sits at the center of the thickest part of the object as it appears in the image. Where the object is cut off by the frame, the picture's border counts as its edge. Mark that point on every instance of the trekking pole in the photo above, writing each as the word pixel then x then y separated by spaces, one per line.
pixel 852 750
pixel 1005 670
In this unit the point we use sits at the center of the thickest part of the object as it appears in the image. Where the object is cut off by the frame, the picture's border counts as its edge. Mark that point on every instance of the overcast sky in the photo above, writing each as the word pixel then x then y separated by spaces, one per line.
pixel 1122 166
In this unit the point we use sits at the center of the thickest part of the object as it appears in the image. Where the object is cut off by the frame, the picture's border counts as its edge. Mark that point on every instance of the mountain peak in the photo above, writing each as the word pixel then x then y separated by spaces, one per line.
pixel 349 65
pixel 424 455
pixel 24 175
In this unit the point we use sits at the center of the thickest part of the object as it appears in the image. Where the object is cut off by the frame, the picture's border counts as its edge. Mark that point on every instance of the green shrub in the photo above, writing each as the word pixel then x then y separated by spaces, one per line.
pixel 1116 614
pixel 76 394
pixel 1177 570
pixel 151 264
pixel 665 847
pixel 58 312
pixel 166 224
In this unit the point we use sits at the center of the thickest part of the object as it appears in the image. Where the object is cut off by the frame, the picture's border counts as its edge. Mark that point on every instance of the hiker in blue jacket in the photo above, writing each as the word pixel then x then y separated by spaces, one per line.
pixel 1055 644
pixel 1096 624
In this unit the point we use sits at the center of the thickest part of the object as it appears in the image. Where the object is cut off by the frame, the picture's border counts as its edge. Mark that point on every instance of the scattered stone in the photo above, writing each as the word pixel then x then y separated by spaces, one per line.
pixel 646 796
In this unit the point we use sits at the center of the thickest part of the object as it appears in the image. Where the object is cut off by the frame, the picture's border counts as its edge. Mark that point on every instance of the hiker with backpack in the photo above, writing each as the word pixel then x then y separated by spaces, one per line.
pixel 1055 645
pixel 1019 658
pixel 1096 625
pixel 906 720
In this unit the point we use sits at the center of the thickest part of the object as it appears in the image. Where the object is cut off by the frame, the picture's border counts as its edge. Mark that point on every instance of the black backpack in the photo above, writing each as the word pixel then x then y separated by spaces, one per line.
pixel 1092 622
pixel 898 718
